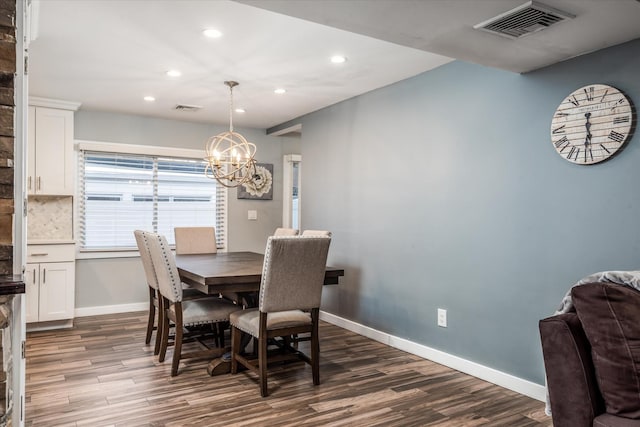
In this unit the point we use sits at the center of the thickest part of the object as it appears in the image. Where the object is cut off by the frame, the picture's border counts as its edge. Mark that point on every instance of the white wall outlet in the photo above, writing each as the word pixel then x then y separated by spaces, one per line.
pixel 442 317
pixel 252 215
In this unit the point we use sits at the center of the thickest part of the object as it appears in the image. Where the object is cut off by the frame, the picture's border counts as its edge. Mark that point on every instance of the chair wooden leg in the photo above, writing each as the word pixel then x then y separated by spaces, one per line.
pixel 262 355
pixel 160 323
pixel 235 348
pixel 177 345
pixel 164 331
pixel 315 347
pixel 152 315
pixel 221 328
pixel 160 328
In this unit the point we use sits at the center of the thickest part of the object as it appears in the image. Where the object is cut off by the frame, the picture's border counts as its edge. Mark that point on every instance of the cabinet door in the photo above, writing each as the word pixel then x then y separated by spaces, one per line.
pixel 57 291
pixel 53 152
pixel 32 291
pixel 31 152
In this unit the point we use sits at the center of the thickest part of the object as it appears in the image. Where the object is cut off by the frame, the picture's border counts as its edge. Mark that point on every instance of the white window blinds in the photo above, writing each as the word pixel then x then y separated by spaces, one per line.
pixel 120 193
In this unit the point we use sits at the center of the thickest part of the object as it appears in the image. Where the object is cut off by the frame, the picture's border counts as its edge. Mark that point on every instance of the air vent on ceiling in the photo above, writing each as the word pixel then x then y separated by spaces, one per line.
pixel 185 107
pixel 526 19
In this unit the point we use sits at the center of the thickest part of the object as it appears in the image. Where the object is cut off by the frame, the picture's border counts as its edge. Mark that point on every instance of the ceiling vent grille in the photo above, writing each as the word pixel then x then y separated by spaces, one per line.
pixel 528 18
pixel 188 108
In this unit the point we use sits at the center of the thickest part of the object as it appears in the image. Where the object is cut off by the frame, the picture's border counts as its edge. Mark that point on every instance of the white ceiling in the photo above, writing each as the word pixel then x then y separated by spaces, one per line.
pixel 108 54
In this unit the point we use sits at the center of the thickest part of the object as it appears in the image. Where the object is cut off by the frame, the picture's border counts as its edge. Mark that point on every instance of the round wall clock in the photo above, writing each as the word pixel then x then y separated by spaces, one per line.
pixel 592 124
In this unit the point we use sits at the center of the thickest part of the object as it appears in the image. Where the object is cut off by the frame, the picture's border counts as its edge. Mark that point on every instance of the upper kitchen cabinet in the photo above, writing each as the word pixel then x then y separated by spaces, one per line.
pixel 50 159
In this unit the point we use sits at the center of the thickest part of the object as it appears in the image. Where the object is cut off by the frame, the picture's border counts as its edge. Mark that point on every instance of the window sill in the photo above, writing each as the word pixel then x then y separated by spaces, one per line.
pixel 106 254
pixel 114 254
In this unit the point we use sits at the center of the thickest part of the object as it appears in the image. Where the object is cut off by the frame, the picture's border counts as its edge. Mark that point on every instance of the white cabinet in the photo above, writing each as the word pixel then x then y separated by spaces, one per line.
pixel 50 160
pixel 50 282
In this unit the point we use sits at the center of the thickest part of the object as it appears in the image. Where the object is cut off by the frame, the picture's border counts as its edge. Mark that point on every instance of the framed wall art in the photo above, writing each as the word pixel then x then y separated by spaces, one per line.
pixel 261 186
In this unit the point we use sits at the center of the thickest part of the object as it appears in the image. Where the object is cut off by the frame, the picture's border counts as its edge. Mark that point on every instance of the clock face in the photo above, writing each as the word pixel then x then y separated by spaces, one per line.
pixel 592 124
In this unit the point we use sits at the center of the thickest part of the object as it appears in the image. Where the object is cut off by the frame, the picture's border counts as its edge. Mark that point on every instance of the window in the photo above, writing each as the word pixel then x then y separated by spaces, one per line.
pixel 291 185
pixel 120 193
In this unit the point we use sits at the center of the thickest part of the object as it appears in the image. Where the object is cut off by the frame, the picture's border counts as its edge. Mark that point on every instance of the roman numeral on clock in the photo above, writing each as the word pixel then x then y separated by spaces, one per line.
pixel 605 148
pixel 558 129
pixel 574 101
pixel 589 94
pixel 620 101
pixel 621 119
pixel 615 136
pixel 562 141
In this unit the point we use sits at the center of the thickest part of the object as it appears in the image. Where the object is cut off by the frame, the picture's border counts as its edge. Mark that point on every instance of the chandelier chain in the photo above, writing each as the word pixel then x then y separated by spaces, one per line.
pixel 230 108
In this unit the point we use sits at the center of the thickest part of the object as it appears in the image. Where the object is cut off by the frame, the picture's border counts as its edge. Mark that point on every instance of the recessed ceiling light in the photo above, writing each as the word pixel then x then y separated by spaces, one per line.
pixel 149 98
pixel 338 59
pixel 279 91
pixel 240 110
pixel 174 73
pixel 212 33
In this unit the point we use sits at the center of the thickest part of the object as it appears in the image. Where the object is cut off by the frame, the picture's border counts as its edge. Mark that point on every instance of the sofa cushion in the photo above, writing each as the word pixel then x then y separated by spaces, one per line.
pixel 571 378
pixel 608 420
pixel 610 316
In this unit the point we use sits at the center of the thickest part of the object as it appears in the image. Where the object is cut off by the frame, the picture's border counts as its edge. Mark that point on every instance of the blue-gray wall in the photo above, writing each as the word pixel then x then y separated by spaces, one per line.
pixel 444 190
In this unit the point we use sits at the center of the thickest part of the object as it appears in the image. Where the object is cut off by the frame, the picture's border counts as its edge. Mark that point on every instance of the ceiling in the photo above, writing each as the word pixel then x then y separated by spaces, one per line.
pixel 109 54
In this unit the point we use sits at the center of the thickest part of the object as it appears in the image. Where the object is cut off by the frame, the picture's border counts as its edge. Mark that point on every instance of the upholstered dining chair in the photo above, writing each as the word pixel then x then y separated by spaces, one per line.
pixel 292 279
pixel 285 232
pixel 316 233
pixel 152 282
pixel 183 313
pixel 195 240
pixel 154 321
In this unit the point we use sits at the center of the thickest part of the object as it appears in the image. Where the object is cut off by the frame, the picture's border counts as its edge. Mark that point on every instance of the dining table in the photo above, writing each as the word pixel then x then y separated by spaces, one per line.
pixel 230 272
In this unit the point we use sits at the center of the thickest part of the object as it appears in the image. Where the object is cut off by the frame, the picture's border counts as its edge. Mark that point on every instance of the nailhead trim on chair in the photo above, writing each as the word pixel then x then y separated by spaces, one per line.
pixel 176 285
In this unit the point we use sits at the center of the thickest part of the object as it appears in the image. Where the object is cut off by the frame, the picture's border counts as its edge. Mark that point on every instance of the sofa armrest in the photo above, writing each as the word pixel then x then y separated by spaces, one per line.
pixel 571 382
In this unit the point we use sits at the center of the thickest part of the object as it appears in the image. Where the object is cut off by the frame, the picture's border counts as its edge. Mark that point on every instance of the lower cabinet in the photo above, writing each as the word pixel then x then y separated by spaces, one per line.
pixel 50 291
pixel 50 286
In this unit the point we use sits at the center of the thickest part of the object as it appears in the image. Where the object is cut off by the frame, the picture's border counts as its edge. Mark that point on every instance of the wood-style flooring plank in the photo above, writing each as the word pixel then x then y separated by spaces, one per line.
pixel 101 374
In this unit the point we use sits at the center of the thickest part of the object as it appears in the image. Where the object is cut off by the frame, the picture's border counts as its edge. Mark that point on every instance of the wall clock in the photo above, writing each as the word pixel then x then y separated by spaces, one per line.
pixel 592 124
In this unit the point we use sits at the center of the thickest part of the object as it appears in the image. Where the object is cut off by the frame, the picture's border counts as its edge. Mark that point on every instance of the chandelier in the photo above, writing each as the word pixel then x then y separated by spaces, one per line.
pixel 230 157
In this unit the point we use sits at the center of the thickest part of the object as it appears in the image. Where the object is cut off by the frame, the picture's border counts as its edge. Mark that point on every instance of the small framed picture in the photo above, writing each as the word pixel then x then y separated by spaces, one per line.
pixel 261 186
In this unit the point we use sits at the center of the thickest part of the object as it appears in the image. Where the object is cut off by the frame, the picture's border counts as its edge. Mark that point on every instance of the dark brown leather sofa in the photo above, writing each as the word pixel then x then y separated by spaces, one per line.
pixel 575 398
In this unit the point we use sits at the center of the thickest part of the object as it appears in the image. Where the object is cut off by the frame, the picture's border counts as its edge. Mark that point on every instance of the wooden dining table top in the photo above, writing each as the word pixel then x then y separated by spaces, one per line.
pixel 230 271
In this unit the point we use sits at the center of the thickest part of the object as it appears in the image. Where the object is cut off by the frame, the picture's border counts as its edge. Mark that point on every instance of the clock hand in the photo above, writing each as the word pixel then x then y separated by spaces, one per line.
pixel 587 141
pixel 588 126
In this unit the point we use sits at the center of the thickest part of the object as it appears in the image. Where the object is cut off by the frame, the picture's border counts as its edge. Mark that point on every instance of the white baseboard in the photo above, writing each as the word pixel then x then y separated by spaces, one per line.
pixel 519 385
pixel 49 326
pixel 111 309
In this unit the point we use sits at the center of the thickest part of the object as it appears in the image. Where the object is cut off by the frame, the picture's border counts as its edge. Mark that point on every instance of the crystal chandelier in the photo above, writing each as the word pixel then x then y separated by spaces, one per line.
pixel 230 157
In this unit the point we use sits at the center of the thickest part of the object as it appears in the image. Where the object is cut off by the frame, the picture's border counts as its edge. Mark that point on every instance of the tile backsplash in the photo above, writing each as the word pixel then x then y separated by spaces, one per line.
pixel 50 218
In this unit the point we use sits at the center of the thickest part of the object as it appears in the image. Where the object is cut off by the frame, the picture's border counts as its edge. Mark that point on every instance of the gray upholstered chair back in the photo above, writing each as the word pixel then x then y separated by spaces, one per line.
pixel 293 273
pixel 145 256
pixel 195 240
pixel 285 232
pixel 316 233
pixel 165 267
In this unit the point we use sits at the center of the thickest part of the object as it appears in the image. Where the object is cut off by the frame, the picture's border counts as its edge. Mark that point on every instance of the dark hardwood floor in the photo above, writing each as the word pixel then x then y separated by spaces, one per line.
pixel 100 373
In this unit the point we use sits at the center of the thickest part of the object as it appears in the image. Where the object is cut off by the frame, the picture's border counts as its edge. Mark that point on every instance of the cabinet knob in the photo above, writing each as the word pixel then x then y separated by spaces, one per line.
pixel 39 254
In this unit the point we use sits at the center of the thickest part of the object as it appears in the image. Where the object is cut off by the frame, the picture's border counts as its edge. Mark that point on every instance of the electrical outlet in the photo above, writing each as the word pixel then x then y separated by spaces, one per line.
pixel 442 317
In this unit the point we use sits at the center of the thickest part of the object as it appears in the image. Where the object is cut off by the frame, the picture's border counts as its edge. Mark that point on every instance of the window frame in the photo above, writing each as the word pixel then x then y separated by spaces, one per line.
pixel 131 149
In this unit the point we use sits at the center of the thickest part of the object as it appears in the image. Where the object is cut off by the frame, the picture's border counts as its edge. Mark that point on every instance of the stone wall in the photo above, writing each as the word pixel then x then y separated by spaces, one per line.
pixel 7 135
